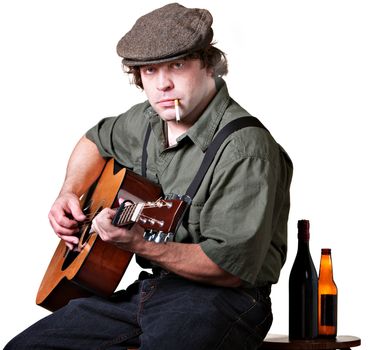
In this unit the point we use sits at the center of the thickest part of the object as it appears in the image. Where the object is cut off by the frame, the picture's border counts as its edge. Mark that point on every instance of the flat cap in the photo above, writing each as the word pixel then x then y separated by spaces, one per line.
pixel 170 32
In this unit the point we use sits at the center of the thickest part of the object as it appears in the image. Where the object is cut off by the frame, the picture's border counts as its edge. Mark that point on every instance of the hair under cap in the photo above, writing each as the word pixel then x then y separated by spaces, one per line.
pixel 170 32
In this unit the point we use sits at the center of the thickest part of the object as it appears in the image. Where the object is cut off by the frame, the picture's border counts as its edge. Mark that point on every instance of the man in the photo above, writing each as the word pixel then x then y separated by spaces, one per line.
pixel 209 289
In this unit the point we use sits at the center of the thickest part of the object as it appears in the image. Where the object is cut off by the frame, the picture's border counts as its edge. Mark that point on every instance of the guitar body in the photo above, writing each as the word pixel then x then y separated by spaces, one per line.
pixel 99 266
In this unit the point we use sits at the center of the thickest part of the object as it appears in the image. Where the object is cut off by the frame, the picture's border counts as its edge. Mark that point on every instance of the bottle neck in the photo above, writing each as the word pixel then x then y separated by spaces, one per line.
pixel 303 236
pixel 303 244
pixel 326 267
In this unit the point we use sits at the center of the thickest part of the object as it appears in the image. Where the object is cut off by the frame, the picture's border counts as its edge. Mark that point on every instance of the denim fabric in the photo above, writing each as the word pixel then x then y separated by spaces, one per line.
pixel 157 312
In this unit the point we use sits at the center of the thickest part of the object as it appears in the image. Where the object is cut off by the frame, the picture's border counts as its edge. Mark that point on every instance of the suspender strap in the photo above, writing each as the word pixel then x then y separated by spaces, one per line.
pixel 144 155
pixel 210 154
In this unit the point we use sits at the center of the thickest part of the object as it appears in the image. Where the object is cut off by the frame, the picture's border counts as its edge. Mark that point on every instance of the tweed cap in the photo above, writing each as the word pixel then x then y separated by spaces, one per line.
pixel 170 32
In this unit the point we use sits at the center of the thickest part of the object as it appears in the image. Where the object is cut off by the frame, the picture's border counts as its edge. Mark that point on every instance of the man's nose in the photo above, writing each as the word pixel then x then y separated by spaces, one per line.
pixel 164 81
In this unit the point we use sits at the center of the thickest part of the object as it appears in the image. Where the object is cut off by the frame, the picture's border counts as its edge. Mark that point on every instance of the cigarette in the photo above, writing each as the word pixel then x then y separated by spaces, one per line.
pixel 177 110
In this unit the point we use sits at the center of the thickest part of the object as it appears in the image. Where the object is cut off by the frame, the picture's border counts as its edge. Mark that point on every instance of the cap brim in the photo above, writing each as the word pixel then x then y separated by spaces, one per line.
pixel 135 63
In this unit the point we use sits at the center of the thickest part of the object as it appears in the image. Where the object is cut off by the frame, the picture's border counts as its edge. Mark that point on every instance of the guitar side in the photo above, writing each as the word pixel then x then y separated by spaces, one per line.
pixel 99 266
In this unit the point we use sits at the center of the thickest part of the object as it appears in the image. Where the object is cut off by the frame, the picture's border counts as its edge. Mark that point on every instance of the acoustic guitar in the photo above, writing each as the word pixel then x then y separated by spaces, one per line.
pixel 96 267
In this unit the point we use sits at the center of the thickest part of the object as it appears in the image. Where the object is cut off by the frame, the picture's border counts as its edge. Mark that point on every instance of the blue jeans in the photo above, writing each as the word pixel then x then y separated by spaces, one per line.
pixel 157 312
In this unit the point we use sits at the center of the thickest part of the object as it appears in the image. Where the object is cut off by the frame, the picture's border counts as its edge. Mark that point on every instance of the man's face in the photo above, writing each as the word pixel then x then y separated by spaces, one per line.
pixel 185 80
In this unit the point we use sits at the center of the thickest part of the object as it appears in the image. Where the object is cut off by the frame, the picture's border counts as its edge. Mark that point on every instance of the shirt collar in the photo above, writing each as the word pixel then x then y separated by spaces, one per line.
pixel 203 131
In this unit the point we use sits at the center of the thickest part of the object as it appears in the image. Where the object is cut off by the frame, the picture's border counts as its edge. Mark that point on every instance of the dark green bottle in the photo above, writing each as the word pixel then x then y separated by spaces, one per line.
pixel 303 289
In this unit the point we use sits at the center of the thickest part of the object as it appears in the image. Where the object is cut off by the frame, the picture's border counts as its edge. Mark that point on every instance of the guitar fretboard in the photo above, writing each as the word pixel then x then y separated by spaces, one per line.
pixel 127 214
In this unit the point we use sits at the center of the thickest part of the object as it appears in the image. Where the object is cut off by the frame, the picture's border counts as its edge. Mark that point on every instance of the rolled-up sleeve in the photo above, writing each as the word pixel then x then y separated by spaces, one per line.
pixel 237 219
pixel 121 137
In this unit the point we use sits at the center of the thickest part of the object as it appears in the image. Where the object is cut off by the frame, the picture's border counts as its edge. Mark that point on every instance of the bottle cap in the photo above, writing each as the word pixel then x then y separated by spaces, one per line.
pixel 326 251
pixel 304 230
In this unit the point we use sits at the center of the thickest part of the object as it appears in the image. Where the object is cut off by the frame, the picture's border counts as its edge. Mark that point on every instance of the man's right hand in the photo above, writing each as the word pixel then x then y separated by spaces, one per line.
pixel 65 216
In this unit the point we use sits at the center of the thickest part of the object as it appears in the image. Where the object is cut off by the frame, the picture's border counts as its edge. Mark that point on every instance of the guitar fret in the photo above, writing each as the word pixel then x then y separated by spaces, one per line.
pixel 138 208
pixel 126 214
pixel 130 212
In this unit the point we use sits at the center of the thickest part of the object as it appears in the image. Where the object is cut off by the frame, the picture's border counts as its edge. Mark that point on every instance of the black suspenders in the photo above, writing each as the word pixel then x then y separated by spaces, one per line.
pixel 144 155
pixel 228 129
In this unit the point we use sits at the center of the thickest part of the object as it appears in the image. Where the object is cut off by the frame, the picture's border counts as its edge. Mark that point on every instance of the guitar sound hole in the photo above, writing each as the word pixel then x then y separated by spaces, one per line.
pixel 69 258
pixel 84 235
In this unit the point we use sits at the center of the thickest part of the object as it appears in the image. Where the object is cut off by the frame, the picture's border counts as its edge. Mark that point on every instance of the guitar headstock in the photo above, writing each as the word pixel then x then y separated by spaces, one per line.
pixel 160 219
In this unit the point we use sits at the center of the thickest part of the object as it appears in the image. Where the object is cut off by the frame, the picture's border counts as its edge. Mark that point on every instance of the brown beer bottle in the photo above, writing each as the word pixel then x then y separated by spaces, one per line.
pixel 327 298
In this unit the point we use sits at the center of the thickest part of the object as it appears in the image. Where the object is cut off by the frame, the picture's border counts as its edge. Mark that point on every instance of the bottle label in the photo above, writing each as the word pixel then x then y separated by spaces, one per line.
pixel 328 310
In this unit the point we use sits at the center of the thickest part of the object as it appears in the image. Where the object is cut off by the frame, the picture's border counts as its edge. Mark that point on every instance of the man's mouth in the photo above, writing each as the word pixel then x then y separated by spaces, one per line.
pixel 167 102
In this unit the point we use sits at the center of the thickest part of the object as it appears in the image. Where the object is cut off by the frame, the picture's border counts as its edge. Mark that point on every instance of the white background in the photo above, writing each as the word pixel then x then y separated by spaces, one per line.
pixel 302 67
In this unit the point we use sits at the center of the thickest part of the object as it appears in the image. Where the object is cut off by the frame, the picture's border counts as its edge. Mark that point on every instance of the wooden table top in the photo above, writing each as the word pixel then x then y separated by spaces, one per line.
pixel 282 342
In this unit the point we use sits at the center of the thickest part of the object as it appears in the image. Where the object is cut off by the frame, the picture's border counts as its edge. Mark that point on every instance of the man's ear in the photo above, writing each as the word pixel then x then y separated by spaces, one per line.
pixel 210 72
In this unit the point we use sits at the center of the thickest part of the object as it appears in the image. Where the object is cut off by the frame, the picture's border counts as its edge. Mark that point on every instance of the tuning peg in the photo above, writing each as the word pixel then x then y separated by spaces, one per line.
pixel 151 237
pixel 147 234
pixel 159 237
pixel 169 237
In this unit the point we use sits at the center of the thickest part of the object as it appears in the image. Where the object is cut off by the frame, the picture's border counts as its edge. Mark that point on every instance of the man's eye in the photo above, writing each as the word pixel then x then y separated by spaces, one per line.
pixel 148 70
pixel 178 65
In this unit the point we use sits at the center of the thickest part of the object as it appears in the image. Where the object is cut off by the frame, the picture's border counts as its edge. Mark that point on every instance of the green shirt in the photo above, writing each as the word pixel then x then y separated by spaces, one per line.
pixel 240 212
